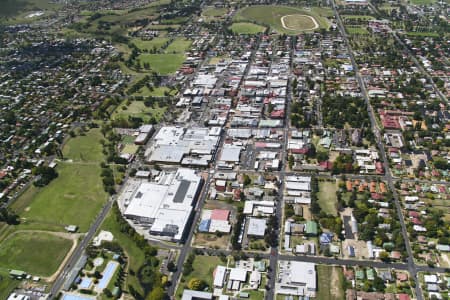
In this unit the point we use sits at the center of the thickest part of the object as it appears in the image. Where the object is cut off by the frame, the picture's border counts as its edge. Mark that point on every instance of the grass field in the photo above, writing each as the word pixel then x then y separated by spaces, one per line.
pixel 327 197
pixel 214 12
pixel 156 92
pixel 85 148
pixel 422 2
pixel 247 28
pixel 422 34
pixel 138 109
pixel 203 269
pixel 349 17
pixel 35 253
pixel 12 10
pixel 354 29
pixel 330 283
pixel 156 42
pixel 74 197
pixel 179 45
pixel 299 22
pixel 7 285
pixel 163 63
pixel 271 16
pixel 136 257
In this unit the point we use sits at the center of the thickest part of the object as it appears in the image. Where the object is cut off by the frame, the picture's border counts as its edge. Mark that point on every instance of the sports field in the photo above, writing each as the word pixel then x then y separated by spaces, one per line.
pixel 36 253
pixel 155 43
pixel 246 28
pixel 74 197
pixel 163 63
pixel 299 22
pixel 85 148
pixel 295 20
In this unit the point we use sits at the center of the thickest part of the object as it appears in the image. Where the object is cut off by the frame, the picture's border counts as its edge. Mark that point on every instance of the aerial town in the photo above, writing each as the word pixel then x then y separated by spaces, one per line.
pixel 235 149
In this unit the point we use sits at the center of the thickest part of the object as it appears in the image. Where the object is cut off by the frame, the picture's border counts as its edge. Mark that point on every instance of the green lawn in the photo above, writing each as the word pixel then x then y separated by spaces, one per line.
pixel 163 63
pixel 247 28
pixel 203 269
pixel 362 17
pixel 85 148
pixel 136 257
pixel 271 16
pixel 156 42
pixel 179 45
pixel 422 2
pixel 353 29
pixel 74 197
pixel 156 92
pixel 139 110
pixel 7 285
pixel 422 34
pixel 327 197
pixel 35 253
pixel 330 283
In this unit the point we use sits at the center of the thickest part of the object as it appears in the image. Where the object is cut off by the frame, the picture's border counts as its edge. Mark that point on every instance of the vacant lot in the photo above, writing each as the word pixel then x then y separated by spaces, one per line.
pixel 330 283
pixel 85 147
pixel 271 16
pixel 247 28
pixel 163 63
pixel 327 197
pixel 35 253
pixel 74 197
pixel 211 240
pixel 203 269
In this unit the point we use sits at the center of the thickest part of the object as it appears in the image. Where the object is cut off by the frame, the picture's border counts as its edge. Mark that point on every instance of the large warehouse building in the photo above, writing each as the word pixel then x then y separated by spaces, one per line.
pixel 165 206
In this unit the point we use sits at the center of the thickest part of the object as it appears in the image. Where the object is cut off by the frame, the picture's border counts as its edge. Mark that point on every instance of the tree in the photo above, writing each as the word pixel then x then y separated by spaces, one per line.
pixel 107 293
pixel 156 294
pixel 196 284
pixel 384 256
pixel 171 266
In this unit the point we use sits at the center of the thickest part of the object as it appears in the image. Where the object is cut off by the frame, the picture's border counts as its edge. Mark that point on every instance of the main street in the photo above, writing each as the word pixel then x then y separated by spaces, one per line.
pixel 411 264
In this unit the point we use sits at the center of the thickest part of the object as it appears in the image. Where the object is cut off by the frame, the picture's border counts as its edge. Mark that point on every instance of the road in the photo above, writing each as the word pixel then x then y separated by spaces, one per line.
pixel 56 287
pixel 411 265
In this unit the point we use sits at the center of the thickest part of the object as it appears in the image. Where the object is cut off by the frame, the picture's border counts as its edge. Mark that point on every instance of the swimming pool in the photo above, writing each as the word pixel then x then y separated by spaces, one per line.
pixel 107 274
pixel 76 297
pixel 85 283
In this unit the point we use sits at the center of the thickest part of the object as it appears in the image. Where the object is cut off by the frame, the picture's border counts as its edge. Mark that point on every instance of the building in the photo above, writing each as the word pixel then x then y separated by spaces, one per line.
pixel 165 206
pixel 296 278
pixel 256 227
pixel 196 295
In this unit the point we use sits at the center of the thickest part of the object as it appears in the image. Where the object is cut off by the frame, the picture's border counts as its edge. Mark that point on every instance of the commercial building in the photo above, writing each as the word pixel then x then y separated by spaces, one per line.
pixel 185 146
pixel 296 278
pixel 165 206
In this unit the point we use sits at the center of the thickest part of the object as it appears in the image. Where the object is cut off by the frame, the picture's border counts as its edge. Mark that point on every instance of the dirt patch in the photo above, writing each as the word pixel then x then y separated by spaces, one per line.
pixel 335 284
pixel 211 240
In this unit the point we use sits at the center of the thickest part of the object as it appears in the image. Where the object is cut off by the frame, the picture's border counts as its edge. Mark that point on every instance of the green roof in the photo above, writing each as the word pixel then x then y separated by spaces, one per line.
pixel 359 274
pixel 311 228
pixel 17 273
pixel 370 274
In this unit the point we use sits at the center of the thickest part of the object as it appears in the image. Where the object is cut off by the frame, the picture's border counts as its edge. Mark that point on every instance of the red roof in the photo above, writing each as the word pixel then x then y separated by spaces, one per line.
pixel 220 214
pixel 403 297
